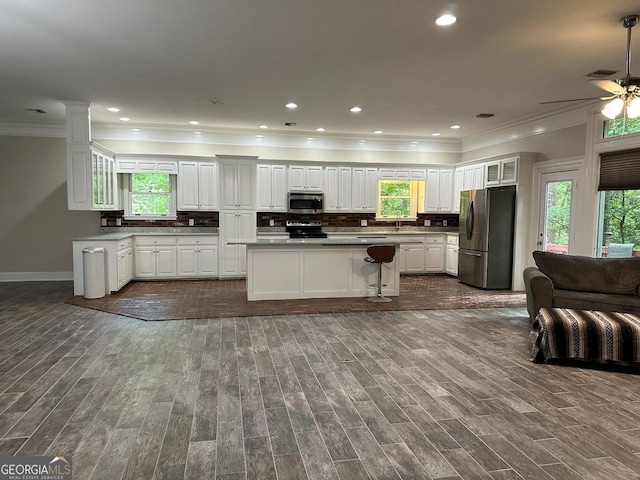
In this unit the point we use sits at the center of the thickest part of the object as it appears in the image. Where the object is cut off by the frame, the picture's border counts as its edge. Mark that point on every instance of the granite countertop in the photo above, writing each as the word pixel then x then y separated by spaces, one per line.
pixel 115 233
pixel 323 242
pixel 369 230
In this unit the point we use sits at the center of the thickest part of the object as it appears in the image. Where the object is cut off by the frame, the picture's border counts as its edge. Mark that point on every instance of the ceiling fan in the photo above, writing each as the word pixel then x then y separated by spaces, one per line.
pixel 625 91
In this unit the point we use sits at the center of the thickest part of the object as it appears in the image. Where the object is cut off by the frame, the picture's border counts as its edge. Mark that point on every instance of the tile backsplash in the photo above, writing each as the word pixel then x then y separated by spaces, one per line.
pixel 354 219
pixel 200 219
pixel 212 219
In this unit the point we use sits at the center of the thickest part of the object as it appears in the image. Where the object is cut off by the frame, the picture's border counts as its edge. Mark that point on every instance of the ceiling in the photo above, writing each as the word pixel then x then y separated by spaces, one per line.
pixel 163 61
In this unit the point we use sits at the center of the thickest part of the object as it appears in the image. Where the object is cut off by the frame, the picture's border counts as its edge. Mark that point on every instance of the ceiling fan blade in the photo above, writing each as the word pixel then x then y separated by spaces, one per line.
pixel 610 86
pixel 571 100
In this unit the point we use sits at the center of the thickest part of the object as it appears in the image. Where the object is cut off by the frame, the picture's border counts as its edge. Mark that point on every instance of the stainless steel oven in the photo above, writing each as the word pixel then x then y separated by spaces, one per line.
pixel 305 202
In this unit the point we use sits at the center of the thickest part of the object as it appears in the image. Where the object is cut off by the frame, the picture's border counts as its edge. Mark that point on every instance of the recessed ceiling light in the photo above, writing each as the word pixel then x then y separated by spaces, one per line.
pixel 113 109
pixel 194 122
pixel 446 19
pixel 455 127
pixel 197 133
pixel 319 129
pixel 135 130
pixel 124 119
pixel 291 105
pixel 310 139
pixel 378 132
pixel 355 109
pixel 435 134
pixel 259 136
pixel 414 143
pixel 263 126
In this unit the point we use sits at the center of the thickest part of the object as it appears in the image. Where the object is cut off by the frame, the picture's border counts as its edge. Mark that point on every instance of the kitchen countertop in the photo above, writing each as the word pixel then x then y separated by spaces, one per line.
pixel 119 235
pixel 323 242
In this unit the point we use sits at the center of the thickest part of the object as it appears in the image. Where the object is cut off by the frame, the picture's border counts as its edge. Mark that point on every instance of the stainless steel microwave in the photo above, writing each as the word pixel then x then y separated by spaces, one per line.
pixel 305 202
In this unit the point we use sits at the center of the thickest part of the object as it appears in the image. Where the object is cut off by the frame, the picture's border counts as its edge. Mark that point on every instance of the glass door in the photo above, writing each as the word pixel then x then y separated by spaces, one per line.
pixel 556 230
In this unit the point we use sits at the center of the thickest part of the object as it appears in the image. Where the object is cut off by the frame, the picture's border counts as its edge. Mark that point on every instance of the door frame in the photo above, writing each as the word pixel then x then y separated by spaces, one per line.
pixel 571 164
pixel 545 179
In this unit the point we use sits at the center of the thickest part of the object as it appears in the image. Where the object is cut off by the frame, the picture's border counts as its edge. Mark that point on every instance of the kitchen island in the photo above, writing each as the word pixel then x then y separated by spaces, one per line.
pixel 284 268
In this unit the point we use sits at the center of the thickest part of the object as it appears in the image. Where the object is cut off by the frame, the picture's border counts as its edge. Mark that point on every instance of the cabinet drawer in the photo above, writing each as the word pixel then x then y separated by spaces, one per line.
pixel 198 240
pixel 452 239
pixel 402 238
pixel 155 240
pixel 434 239
pixel 124 243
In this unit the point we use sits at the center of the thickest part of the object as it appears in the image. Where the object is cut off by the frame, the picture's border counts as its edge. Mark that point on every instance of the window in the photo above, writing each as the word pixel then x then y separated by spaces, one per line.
pixel 150 196
pixel 620 218
pixel 621 126
pixel 619 186
pixel 399 198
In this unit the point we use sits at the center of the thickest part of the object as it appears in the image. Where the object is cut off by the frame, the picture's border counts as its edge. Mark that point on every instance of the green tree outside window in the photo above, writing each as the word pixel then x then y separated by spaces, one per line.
pixel 150 194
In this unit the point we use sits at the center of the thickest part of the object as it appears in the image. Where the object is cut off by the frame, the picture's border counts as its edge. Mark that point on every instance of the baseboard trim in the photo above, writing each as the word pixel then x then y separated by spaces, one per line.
pixel 35 276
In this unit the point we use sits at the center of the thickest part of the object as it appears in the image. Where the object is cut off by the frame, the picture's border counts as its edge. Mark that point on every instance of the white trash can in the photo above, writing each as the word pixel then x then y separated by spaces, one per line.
pixel 93 270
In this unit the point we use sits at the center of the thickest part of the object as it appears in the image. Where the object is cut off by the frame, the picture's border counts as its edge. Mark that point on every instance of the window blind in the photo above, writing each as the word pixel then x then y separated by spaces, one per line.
pixel 620 170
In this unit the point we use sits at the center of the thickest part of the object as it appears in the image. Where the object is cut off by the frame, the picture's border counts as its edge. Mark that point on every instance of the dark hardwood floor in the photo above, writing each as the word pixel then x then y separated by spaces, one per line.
pixel 420 394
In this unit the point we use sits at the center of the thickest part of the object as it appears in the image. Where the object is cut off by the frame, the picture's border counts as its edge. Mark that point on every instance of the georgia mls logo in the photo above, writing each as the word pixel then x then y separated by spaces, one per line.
pixel 35 468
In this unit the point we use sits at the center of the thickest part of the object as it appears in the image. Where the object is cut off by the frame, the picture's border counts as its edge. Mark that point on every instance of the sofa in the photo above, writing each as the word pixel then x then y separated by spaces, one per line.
pixel 582 283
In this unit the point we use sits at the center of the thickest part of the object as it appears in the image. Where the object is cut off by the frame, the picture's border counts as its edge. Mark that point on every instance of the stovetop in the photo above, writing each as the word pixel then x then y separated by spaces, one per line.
pixel 307 235
pixel 305 229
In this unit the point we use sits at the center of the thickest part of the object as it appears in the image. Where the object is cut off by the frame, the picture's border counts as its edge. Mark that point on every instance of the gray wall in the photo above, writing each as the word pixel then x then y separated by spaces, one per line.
pixel 563 143
pixel 36 227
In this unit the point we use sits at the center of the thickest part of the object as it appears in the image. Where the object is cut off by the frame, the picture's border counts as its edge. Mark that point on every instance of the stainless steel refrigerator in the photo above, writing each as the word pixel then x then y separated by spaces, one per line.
pixel 485 257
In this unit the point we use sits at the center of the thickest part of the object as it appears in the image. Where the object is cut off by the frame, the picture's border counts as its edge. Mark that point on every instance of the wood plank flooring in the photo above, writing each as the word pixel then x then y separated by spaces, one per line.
pixel 434 394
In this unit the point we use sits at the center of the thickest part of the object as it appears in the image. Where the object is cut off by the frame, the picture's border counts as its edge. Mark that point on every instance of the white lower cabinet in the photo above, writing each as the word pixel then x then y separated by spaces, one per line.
pixel 155 257
pixel 124 262
pixel 197 256
pixel 235 225
pixel 451 264
pixel 434 254
pixel 411 258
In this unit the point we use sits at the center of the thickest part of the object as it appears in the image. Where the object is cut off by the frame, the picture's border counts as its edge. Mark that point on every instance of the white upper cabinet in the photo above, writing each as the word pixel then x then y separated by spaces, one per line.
pixel 458 182
pixel 146 164
pixel 402 173
pixel 439 190
pixel 364 189
pixel 197 185
pixel 104 181
pixel 501 172
pixel 238 184
pixel 306 177
pixel 337 189
pixel 271 188
pixel 91 172
pixel 466 177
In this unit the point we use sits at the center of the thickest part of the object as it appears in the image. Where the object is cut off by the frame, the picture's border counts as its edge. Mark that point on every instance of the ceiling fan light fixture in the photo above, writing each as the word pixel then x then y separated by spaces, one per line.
pixel 613 108
pixel 633 108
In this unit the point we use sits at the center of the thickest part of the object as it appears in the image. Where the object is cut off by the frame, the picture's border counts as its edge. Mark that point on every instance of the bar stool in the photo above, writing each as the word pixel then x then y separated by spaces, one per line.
pixel 380 254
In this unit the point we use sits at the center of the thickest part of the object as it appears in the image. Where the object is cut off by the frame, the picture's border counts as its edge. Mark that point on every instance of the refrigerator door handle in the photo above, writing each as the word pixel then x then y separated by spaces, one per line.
pixel 472 254
pixel 470 216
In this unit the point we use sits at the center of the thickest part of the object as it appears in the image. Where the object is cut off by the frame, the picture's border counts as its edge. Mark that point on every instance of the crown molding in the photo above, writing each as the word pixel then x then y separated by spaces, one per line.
pixel 33 129
pixel 523 128
pixel 219 136
pixel 528 127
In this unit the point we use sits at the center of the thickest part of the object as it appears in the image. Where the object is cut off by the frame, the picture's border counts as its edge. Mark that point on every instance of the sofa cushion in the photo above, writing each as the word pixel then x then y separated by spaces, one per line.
pixel 605 302
pixel 588 274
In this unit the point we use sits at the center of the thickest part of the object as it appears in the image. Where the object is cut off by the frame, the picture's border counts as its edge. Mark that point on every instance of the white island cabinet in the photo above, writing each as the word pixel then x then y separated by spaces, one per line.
pixel 316 268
